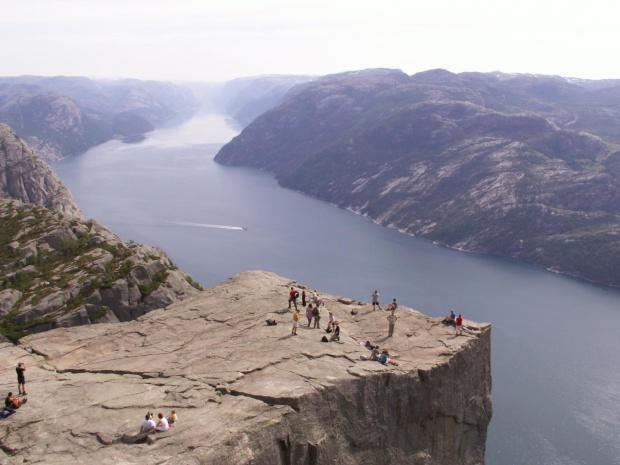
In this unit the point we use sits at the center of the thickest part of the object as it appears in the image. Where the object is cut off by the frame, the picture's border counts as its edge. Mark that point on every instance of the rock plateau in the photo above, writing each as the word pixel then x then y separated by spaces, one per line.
pixel 248 393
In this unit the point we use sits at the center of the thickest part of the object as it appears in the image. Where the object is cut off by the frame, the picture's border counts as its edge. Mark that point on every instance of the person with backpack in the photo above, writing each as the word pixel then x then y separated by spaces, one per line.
pixel 292 297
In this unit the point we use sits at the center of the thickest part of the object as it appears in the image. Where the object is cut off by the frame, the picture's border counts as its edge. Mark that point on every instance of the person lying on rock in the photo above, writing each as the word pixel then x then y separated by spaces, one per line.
pixel 162 424
pixel 147 425
pixel 14 402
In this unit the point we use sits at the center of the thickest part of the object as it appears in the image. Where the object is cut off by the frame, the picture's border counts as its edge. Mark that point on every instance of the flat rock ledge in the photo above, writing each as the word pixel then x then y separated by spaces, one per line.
pixel 249 393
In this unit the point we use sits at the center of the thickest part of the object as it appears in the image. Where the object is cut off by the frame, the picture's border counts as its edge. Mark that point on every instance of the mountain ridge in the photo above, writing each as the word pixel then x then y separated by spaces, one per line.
pixel 469 161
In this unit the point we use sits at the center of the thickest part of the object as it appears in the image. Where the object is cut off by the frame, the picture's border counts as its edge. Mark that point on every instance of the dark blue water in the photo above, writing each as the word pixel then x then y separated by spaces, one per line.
pixel 555 339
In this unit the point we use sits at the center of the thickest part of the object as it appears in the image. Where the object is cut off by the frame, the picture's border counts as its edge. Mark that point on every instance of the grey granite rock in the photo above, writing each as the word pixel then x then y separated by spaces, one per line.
pixel 25 177
pixel 248 393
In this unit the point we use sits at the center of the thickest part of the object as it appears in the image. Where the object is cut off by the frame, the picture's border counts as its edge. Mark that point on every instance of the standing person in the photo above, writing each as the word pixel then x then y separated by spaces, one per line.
pixel 392 321
pixel 316 314
pixel 459 325
pixel 375 300
pixel 292 297
pixel 309 314
pixel 303 296
pixel 21 379
pixel 295 322
pixel 452 315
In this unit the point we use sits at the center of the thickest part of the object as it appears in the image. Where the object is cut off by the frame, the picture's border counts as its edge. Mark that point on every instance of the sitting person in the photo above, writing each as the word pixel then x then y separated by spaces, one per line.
pixel 13 402
pixel 331 323
pixel 384 358
pixel 162 424
pixel 393 305
pixel 336 335
pixel 374 355
pixel 173 419
pixel 147 425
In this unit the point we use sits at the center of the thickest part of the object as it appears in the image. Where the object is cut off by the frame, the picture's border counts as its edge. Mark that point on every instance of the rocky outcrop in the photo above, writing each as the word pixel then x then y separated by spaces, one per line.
pixel 481 162
pixel 27 178
pixel 61 271
pixel 62 116
pixel 248 393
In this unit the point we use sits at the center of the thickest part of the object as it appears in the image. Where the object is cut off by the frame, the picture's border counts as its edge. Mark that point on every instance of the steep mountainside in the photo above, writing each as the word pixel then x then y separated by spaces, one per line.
pixel 483 162
pixel 60 271
pixel 25 177
pixel 249 393
pixel 62 116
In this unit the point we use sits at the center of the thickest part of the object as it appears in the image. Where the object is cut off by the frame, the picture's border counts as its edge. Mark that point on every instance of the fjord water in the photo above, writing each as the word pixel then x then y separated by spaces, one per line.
pixel 555 341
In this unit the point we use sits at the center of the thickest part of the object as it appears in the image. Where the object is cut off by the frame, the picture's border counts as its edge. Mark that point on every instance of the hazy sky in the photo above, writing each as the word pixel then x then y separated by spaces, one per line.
pixel 218 40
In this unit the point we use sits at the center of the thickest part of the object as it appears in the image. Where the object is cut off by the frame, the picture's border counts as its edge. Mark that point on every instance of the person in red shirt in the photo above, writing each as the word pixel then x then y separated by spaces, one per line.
pixel 292 297
pixel 459 325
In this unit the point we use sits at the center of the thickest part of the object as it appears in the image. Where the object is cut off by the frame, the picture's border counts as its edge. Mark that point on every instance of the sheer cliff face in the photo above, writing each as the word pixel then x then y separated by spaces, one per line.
pixel 27 178
pixel 473 161
pixel 248 393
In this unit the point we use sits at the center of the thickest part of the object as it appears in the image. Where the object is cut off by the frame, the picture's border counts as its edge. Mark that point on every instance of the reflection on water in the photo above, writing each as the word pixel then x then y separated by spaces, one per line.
pixel 554 338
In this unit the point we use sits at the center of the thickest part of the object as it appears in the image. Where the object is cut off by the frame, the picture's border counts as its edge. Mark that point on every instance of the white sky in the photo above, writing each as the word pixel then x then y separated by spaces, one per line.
pixel 212 40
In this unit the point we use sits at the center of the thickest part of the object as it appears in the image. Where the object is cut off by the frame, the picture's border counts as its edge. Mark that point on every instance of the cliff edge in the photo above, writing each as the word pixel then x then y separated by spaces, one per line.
pixel 248 393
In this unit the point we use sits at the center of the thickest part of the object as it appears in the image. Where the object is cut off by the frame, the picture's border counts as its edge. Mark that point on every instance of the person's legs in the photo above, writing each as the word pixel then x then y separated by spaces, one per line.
pixel 391 330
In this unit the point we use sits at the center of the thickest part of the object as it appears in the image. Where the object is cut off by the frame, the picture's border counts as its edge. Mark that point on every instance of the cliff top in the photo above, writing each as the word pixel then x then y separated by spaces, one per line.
pixel 230 376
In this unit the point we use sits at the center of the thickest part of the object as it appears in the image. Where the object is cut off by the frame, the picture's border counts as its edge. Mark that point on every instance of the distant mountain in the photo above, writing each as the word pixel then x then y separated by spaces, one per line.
pixel 246 98
pixel 62 116
pixel 27 178
pixel 515 165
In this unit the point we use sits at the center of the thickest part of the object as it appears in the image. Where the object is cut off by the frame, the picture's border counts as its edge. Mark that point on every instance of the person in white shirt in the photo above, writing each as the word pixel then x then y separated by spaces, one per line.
pixel 147 425
pixel 162 424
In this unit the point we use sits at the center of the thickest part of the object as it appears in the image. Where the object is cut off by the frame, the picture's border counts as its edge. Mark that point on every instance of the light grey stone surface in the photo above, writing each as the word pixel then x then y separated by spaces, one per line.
pixel 248 393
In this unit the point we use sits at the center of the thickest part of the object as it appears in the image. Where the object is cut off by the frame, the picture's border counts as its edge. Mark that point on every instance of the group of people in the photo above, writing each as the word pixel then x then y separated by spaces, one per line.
pixel 378 355
pixel 12 403
pixel 313 312
pixel 148 425
pixel 457 321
